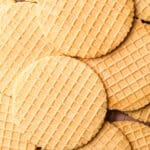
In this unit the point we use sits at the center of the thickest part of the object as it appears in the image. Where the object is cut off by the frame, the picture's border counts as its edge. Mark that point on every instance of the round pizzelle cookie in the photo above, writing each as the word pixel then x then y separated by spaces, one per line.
pixel 138 134
pixel 142 114
pixel 21 42
pixel 109 137
pixel 10 137
pixel 126 71
pixel 86 28
pixel 59 103
pixel 143 9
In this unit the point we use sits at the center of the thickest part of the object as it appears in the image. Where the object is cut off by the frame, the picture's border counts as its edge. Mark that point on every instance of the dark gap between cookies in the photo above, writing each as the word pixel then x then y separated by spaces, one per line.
pixel 147 22
pixel 38 148
pixel 25 1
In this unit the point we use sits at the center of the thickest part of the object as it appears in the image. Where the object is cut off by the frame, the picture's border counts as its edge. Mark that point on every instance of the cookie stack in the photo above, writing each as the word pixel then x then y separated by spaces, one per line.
pixel 64 64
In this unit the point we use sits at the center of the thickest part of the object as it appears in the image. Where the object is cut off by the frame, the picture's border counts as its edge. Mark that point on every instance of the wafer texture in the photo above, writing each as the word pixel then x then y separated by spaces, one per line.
pixel 109 137
pixel 86 28
pixel 138 134
pixel 60 103
pixel 143 9
pixel 126 71
pixel 10 137
pixel 22 42
pixel 142 114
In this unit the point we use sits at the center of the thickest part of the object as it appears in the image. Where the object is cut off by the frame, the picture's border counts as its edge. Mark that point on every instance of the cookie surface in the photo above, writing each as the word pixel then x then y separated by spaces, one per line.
pixel 10 137
pixel 60 103
pixel 138 134
pixel 142 114
pixel 84 28
pixel 22 42
pixel 143 9
pixel 7 1
pixel 126 71
pixel 109 137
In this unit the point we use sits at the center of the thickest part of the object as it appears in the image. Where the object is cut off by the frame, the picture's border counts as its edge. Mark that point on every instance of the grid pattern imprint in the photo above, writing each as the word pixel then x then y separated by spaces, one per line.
pixel 61 103
pixel 110 137
pixel 10 137
pixel 86 28
pixel 142 114
pixel 143 9
pixel 126 71
pixel 138 134
pixel 21 42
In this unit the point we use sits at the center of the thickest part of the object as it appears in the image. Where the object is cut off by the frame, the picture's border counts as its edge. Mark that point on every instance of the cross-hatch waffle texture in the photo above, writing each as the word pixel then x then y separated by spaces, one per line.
pixel 60 103
pixel 138 134
pixel 10 137
pixel 143 9
pixel 142 114
pixel 126 71
pixel 109 138
pixel 21 42
pixel 86 28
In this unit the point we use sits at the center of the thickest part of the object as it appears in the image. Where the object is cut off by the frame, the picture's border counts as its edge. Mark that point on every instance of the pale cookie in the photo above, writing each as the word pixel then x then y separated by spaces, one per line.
pixel 138 134
pixel 142 114
pixel 126 71
pixel 10 137
pixel 143 9
pixel 108 138
pixel 21 42
pixel 60 103
pixel 86 28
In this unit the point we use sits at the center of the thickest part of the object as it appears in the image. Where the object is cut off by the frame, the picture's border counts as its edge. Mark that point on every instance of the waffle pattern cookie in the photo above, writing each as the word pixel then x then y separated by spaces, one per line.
pixel 126 71
pixel 10 137
pixel 86 28
pixel 143 9
pixel 142 114
pixel 109 138
pixel 60 103
pixel 21 42
pixel 138 134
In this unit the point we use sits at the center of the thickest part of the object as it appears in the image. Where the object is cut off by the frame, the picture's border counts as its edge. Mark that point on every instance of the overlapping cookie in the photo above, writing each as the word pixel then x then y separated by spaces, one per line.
pixel 59 103
pixel 84 28
pixel 109 137
pixel 143 9
pixel 126 71
pixel 142 114
pixel 10 137
pixel 138 134
pixel 21 41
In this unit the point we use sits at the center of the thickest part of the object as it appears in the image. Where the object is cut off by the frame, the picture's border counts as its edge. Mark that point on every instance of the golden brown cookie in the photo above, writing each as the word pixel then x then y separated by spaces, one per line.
pixel 126 71
pixel 10 137
pixel 108 138
pixel 21 42
pixel 142 114
pixel 138 134
pixel 60 102
pixel 143 9
pixel 86 28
